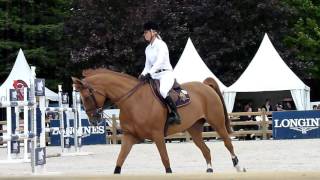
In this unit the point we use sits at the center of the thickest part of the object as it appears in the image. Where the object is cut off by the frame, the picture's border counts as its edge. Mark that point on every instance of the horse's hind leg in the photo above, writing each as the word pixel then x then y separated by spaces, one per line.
pixel 196 133
pixel 228 144
pixel 127 142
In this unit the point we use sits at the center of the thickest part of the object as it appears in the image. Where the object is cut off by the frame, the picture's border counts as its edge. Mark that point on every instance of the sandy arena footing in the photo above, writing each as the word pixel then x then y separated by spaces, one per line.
pixel 216 176
pixel 263 159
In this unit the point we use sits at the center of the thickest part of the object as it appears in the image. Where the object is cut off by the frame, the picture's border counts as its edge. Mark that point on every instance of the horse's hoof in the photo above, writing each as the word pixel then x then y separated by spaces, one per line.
pixel 209 170
pixel 117 170
pixel 235 161
pixel 168 170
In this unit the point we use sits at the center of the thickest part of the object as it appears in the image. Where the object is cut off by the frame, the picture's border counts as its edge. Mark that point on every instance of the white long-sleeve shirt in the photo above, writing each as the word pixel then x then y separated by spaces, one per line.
pixel 157 57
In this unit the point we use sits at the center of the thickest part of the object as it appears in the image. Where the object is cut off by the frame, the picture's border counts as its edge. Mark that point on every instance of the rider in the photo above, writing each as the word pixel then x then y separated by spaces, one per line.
pixel 158 66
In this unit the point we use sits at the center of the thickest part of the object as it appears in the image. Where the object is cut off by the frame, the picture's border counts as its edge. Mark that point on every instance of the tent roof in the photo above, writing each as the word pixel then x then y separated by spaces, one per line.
pixel 191 67
pixel 21 71
pixel 267 72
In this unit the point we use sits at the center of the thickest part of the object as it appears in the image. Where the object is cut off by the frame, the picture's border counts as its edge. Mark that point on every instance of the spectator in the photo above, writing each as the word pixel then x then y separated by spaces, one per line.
pixel 267 106
pixel 288 106
pixel 248 108
pixel 279 107
pixel 314 107
pixel 318 107
pixel 260 118
pixel 267 118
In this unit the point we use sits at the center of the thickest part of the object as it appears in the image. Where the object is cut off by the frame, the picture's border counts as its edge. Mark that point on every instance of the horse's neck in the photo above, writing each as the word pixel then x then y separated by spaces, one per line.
pixel 116 86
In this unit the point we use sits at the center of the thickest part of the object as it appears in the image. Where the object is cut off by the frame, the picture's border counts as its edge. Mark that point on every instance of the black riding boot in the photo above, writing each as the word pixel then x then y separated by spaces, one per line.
pixel 173 116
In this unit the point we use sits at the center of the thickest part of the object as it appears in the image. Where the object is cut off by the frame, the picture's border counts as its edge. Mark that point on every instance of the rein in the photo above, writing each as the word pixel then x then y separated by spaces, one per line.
pixel 129 93
pixel 117 100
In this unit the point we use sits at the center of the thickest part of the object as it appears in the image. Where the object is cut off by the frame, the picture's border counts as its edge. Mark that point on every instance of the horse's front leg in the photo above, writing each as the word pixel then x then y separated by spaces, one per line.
pixel 161 145
pixel 127 142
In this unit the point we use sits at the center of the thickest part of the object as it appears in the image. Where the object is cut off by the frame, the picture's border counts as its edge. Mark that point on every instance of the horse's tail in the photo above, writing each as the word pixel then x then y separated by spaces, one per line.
pixel 212 83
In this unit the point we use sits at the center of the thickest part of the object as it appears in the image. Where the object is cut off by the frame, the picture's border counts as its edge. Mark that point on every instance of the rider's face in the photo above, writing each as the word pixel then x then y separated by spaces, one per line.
pixel 147 35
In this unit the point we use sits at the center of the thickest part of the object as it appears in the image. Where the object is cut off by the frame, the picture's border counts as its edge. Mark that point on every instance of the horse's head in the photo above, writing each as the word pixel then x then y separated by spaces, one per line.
pixel 92 99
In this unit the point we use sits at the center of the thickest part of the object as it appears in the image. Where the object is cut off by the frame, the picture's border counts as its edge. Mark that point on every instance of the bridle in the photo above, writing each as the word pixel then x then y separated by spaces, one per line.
pixel 98 110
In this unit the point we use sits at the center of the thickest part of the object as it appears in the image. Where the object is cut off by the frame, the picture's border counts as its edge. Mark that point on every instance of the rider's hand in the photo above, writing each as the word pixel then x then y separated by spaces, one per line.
pixel 148 76
pixel 141 77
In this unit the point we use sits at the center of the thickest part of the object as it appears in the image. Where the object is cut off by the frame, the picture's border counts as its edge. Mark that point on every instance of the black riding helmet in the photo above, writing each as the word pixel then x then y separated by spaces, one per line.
pixel 150 25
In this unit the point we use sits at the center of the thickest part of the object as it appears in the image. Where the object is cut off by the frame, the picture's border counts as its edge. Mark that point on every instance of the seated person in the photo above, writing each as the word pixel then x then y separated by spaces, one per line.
pixel 260 118
pixel 279 107
pixel 267 106
pixel 288 106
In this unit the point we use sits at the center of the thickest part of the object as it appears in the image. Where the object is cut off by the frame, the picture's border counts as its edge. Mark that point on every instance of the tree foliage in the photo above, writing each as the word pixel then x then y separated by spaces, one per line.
pixel 36 27
pixel 62 37
pixel 305 39
pixel 225 33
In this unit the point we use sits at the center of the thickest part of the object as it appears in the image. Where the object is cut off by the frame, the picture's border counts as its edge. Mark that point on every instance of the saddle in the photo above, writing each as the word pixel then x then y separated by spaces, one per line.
pixel 179 96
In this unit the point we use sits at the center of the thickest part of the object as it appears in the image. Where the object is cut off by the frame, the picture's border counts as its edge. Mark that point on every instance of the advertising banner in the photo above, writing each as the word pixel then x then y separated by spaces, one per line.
pixel 296 124
pixel 91 134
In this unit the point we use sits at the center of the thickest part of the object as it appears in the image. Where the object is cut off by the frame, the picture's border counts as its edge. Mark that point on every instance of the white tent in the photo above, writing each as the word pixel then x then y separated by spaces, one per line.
pixel 21 71
pixel 191 67
pixel 268 72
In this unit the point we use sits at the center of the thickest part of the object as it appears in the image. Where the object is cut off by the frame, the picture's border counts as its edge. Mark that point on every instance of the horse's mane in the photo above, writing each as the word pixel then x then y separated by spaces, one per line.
pixel 91 72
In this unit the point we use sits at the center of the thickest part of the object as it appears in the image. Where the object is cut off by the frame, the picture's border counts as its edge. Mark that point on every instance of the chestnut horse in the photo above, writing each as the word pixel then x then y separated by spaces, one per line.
pixel 143 116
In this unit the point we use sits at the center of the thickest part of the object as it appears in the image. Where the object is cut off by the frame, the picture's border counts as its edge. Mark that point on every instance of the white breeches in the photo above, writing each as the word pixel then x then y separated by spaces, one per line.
pixel 166 81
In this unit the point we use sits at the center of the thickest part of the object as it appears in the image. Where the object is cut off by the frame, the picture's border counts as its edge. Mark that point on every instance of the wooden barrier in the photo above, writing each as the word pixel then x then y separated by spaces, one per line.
pixel 114 135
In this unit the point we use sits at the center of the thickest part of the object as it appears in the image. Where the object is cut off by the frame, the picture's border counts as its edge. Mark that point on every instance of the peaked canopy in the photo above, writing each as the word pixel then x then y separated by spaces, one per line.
pixel 268 72
pixel 191 67
pixel 21 71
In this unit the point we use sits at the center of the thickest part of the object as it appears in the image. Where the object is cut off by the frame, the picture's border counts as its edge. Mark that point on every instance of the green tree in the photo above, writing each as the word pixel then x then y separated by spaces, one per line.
pixel 305 36
pixel 36 27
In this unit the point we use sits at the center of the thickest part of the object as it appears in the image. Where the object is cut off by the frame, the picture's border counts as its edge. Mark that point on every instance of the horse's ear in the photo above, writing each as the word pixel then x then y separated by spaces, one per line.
pixel 78 83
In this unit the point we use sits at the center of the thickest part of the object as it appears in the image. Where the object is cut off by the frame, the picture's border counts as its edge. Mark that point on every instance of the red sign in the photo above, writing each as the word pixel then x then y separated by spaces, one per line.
pixel 19 85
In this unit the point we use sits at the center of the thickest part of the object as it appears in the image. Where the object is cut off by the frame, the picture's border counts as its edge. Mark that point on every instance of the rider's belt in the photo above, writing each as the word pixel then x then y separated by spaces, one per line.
pixel 160 70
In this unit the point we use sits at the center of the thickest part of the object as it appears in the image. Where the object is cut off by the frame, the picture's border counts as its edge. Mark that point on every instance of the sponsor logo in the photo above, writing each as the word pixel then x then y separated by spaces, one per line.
pixel 302 125
pixel 86 131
